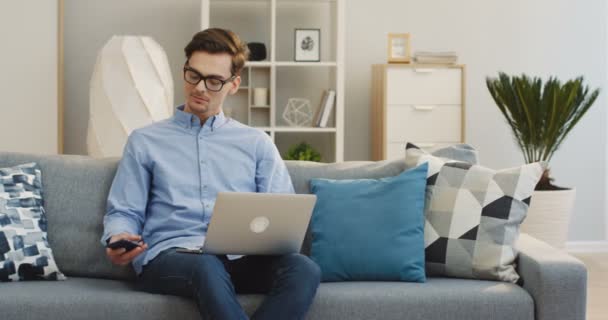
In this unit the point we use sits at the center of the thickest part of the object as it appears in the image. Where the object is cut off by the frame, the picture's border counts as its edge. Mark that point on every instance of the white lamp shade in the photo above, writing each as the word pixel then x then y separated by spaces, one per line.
pixel 131 87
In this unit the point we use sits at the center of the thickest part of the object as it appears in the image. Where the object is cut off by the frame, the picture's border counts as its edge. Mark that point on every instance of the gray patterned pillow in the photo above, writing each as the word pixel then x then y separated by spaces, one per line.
pixel 25 253
pixel 473 215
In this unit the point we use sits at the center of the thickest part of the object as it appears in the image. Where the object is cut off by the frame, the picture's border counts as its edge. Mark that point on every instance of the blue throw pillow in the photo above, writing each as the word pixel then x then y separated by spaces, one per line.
pixel 370 229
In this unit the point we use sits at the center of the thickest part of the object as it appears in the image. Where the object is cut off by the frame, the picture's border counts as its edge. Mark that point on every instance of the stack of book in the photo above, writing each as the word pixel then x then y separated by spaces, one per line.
pixel 324 111
pixel 447 57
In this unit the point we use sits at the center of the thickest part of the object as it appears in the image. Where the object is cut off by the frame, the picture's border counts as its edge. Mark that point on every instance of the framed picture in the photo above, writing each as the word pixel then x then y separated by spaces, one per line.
pixel 307 45
pixel 399 48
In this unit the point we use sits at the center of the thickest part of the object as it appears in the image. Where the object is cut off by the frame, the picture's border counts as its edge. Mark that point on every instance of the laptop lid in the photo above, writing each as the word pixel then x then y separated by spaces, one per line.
pixel 258 223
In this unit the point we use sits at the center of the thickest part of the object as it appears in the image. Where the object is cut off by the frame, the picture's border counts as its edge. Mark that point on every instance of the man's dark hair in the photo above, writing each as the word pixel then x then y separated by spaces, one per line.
pixel 216 40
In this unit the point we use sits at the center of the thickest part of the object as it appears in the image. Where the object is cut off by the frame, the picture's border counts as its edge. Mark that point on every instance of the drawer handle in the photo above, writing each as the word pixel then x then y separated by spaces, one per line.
pixel 424 70
pixel 424 108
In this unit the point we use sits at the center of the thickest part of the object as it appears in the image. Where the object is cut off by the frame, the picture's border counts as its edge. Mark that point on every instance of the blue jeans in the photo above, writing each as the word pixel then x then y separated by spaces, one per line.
pixel 289 281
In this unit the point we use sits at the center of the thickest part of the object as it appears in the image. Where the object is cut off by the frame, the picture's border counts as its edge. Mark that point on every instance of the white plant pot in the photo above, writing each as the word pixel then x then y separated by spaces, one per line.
pixel 549 216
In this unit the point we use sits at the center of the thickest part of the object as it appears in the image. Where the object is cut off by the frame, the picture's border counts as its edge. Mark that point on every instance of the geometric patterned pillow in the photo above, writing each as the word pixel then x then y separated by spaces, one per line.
pixel 25 253
pixel 473 216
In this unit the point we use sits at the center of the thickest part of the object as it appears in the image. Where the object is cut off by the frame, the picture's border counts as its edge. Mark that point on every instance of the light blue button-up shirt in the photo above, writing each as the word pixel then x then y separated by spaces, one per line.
pixel 171 171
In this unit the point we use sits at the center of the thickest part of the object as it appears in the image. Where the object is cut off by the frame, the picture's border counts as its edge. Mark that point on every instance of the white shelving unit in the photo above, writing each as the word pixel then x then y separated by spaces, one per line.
pixel 273 22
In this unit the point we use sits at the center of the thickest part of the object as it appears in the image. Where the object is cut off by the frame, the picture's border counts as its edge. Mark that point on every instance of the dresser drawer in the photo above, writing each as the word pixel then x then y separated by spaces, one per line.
pixel 396 150
pixel 423 123
pixel 424 86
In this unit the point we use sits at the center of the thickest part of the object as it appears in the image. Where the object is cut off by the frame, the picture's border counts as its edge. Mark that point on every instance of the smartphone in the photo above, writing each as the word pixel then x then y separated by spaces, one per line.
pixel 123 243
pixel 184 250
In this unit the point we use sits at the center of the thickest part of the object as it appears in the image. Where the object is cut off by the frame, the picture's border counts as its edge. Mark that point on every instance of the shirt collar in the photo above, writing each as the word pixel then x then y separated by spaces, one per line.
pixel 187 119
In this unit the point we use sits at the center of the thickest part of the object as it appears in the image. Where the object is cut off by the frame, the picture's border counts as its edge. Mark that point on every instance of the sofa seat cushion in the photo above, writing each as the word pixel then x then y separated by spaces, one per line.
pixel 438 298
pixel 87 298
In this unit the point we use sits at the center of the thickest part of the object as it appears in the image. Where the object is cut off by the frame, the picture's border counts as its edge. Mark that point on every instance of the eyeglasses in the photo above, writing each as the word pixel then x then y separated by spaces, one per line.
pixel 212 83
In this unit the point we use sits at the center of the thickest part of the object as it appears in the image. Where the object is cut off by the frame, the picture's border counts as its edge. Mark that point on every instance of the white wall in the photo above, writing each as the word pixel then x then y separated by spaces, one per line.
pixel 542 37
pixel 28 76
pixel 606 129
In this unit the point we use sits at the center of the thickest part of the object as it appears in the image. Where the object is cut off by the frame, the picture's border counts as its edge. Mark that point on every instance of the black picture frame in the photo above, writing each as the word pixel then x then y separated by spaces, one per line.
pixel 307 45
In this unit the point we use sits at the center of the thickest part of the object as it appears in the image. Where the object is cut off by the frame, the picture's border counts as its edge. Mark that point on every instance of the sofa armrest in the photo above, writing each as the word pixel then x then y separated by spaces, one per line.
pixel 556 281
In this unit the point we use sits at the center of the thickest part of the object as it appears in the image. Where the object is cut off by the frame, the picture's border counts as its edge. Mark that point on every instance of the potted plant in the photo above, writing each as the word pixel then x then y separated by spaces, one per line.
pixel 541 116
pixel 303 151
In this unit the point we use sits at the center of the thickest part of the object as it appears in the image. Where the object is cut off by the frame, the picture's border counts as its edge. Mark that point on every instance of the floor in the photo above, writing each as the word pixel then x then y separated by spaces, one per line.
pixel 597 285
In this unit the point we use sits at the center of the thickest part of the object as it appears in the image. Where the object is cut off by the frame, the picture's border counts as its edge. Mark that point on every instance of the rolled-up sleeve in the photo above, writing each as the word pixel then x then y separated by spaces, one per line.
pixel 128 197
pixel 271 174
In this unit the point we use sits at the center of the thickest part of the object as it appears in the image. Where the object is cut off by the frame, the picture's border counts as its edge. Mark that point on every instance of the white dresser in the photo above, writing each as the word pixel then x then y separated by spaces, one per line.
pixel 423 104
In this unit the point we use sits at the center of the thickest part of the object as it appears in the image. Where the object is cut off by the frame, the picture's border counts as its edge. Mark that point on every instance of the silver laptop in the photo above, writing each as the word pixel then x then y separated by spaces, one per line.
pixel 258 223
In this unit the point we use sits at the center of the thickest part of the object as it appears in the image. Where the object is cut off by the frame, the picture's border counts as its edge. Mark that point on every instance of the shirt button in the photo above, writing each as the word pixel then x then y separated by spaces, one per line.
pixel 205 187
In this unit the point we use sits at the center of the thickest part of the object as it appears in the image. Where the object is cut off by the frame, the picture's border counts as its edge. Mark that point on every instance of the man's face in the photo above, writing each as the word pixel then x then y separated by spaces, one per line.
pixel 201 101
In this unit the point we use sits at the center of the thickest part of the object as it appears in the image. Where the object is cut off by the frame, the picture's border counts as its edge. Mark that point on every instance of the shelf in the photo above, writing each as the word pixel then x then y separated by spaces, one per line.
pixel 254 64
pixel 296 129
pixel 279 2
pixel 304 64
pixel 300 2
pixel 303 129
pixel 239 2
pixel 273 23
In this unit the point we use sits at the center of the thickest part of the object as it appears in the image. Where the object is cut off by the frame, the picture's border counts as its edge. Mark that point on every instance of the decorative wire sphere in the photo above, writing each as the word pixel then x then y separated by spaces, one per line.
pixel 298 112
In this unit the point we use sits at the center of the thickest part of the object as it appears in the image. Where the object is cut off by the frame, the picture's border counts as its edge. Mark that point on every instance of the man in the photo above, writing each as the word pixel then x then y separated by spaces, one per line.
pixel 165 188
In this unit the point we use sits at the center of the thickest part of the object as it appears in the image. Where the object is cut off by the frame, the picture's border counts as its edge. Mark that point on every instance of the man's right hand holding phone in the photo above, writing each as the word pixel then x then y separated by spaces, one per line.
pixel 123 248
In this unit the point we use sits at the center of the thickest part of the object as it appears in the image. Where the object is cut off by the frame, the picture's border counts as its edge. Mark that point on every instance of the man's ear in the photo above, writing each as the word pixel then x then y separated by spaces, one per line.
pixel 236 83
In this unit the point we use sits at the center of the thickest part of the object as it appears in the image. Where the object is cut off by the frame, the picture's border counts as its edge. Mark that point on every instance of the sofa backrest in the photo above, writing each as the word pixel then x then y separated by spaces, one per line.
pixel 75 190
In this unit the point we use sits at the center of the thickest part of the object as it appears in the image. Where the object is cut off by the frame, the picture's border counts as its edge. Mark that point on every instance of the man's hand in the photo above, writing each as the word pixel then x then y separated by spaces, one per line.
pixel 120 256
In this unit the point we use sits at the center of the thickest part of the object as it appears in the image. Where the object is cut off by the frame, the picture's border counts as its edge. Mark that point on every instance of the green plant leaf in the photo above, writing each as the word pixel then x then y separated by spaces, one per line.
pixel 540 115
pixel 303 151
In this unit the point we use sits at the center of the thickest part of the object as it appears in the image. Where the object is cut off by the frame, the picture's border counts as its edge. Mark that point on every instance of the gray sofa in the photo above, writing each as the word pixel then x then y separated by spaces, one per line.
pixel 75 189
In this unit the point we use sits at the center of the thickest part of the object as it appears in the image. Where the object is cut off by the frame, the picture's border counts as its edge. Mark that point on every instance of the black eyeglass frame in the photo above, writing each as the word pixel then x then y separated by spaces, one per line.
pixel 204 79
